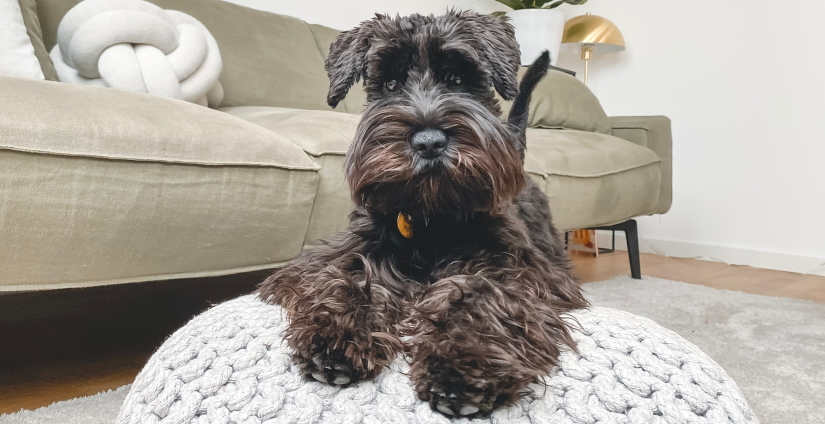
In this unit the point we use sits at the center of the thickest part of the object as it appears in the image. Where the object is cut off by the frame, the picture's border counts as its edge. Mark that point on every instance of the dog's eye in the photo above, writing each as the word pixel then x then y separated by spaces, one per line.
pixel 392 85
pixel 454 80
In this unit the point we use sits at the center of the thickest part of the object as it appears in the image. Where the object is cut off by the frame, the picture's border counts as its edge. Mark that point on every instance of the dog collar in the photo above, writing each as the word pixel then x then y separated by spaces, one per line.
pixel 404 225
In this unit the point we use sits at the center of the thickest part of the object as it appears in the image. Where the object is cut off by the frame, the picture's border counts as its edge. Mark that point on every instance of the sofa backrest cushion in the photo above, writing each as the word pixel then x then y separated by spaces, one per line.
pixel 29 10
pixel 561 101
pixel 268 59
pixel 356 96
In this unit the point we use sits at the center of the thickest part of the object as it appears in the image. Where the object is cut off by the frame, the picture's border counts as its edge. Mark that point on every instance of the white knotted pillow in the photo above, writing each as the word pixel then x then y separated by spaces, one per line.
pixel 137 46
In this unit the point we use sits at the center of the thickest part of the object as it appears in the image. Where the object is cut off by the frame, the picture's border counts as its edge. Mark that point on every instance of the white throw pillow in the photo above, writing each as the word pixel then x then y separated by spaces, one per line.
pixel 17 57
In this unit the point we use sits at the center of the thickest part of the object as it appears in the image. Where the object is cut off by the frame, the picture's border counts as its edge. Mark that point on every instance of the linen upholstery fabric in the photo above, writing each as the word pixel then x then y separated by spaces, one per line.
pixel 326 137
pixel 204 193
pixel 560 100
pixel 268 59
pixel 231 365
pixel 107 186
pixel 653 132
pixel 29 10
pixel 595 179
pixel 356 98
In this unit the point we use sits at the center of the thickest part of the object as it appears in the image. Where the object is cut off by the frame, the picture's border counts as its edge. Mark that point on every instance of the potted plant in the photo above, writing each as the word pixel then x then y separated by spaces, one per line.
pixel 539 26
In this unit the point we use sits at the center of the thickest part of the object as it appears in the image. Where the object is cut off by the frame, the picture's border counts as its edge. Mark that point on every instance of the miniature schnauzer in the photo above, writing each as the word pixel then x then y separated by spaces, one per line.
pixel 450 256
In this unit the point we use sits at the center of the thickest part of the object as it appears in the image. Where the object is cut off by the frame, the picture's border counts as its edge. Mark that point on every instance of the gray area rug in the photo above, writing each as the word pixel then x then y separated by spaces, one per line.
pixel 773 347
pixel 101 408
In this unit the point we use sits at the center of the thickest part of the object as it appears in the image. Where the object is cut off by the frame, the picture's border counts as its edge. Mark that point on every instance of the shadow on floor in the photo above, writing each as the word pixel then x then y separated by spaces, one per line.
pixel 60 344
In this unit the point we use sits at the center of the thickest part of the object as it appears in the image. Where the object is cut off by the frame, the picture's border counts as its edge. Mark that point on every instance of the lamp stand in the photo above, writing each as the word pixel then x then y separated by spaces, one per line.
pixel 587 53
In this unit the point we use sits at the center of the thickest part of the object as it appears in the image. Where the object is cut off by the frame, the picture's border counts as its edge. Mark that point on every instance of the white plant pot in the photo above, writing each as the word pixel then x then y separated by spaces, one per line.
pixel 538 30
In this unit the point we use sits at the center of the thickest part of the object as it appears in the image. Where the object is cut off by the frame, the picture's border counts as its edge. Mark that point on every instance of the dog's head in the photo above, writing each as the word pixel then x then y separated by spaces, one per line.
pixel 430 142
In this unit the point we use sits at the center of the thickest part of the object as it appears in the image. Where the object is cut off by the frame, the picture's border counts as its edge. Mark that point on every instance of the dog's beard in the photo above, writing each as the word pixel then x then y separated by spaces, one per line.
pixel 479 170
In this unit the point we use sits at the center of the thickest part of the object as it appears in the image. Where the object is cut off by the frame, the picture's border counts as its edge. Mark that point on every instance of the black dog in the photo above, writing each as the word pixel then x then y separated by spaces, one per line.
pixel 451 243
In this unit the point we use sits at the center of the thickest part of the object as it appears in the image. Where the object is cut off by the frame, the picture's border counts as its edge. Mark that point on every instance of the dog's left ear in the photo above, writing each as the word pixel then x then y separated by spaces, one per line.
pixel 347 60
pixel 500 49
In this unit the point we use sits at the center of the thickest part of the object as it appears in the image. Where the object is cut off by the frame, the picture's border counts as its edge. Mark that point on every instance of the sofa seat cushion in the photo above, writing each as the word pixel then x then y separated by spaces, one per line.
pixel 594 179
pixel 105 186
pixel 590 178
pixel 97 122
pixel 326 137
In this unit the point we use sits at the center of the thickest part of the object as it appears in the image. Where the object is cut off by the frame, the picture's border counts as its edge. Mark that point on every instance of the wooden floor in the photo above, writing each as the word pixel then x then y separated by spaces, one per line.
pixel 712 274
pixel 62 344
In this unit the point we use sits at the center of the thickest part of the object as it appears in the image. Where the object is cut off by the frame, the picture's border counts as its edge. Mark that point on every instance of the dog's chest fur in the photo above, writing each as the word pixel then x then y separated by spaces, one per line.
pixel 441 248
pixel 436 245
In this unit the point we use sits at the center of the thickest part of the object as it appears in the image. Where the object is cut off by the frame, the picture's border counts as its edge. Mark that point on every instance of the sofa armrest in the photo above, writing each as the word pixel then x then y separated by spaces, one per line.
pixel 653 132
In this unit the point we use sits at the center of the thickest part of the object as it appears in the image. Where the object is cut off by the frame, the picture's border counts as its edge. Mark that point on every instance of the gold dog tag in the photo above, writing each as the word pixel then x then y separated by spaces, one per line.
pixel 404 226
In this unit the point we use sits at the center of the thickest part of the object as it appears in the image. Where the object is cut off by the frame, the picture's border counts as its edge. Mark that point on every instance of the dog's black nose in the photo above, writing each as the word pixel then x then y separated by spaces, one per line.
pixel 429 143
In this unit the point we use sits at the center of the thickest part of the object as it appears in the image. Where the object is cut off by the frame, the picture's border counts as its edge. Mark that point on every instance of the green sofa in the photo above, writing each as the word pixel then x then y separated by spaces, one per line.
pixel 100 186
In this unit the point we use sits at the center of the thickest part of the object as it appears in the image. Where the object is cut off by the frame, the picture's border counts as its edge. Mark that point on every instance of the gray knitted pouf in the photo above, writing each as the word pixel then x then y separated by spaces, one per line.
pixel 230 365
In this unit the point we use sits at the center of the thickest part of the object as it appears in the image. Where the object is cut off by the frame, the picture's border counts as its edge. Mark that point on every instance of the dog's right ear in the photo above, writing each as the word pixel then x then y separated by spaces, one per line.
pixel 347 61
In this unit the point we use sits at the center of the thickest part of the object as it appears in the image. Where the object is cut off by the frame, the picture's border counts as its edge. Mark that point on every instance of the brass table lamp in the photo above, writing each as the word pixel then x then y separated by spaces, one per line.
pixel 589 34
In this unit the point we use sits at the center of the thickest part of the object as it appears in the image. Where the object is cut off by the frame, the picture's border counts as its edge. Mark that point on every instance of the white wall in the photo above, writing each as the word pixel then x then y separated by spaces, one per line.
pixel 742 81
pixel 345 14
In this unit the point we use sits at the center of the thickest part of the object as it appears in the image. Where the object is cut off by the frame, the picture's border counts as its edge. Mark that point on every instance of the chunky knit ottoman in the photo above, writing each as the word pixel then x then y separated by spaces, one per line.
pixel 229 365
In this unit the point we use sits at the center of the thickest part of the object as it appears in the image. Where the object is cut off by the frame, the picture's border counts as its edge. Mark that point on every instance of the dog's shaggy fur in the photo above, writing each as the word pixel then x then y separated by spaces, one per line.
pixel 476 296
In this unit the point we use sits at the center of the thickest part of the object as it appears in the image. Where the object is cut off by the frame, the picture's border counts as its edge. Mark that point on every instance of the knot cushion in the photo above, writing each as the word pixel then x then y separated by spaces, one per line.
pixel 230 365
pixel 137 46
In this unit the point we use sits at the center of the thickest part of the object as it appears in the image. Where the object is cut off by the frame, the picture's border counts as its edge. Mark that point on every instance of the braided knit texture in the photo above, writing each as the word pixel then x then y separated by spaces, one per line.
pixel 230 365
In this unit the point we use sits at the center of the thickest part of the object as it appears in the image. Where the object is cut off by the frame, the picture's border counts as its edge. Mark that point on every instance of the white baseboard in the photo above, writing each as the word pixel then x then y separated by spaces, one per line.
pixel 731 255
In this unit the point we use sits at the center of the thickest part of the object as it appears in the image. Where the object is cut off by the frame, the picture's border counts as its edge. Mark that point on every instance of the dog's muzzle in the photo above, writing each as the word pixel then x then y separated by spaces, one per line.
pixel 429 143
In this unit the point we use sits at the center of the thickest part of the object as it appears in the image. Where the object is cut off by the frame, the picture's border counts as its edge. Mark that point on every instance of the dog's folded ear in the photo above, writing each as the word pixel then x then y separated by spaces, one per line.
pixel 499 48
pixel 347 60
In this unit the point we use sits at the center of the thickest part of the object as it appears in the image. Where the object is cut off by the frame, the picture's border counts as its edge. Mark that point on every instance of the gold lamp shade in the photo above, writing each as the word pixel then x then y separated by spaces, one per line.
pixel 590 34
pixel 601 34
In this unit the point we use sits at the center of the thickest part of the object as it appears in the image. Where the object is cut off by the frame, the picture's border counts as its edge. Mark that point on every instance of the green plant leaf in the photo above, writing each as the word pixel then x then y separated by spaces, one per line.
pixel 538 4
pixel 513 4
pixel 561 2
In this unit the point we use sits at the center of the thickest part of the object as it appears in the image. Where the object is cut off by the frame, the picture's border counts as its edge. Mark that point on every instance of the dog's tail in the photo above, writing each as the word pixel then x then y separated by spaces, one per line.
pixel 518 113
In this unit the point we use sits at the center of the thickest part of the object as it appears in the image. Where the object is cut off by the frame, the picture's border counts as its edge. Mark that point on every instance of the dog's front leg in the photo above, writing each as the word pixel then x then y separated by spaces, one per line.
pixel 479 340
pixel 342 324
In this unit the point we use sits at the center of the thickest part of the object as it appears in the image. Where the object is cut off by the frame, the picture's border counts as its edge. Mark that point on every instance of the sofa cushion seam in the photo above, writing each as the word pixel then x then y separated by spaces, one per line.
pixel 633 128
pixel 604 174
pixel 157 160
pixel 142 279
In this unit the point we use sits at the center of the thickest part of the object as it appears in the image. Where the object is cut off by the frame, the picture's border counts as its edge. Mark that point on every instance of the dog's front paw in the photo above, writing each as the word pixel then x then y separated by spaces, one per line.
pixel 341 357
pixel 329 366
pixel 469 393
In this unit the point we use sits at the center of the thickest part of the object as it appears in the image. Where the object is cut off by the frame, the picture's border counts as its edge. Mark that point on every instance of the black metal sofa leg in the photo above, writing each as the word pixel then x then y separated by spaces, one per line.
pixel 632 235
